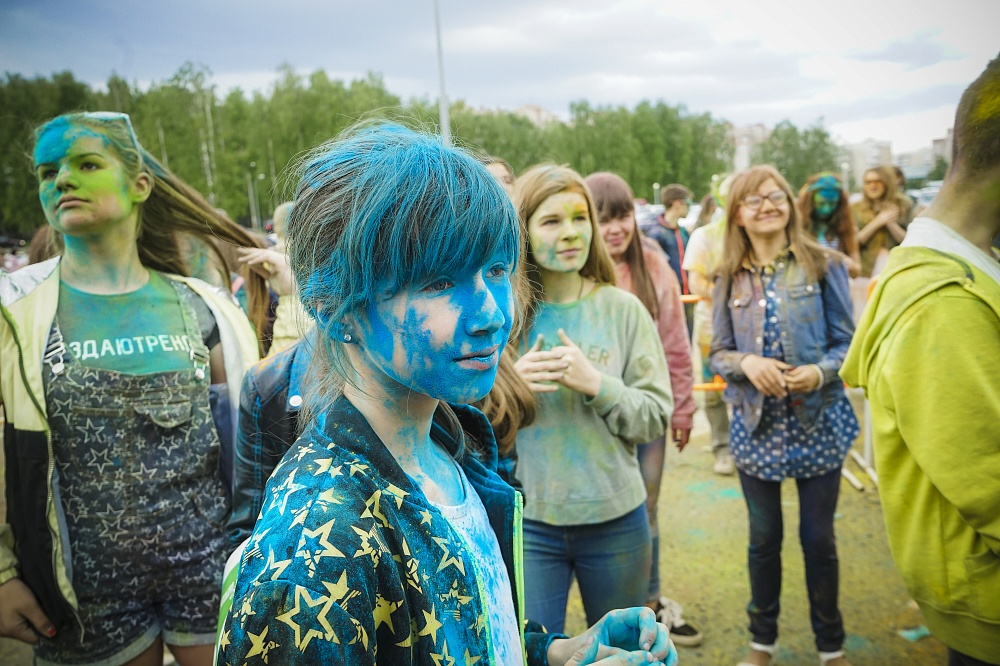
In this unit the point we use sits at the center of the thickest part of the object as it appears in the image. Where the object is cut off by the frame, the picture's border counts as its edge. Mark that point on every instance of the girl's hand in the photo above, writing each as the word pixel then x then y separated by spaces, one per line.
pixel 537 366
pixel 803 378
pixel 20 615
pixel 580 375
pixel 888 215
pixel 626 636
pixel 681 436
pixel 270 265
pixel 766 374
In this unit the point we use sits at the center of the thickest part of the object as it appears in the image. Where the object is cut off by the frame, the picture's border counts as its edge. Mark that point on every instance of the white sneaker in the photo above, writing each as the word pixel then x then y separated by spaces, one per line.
pixel 681 633
pixel 724 465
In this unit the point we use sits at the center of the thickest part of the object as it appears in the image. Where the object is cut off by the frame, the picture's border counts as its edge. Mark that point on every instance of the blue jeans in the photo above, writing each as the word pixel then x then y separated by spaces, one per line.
pixel 610 560
pixel 817 504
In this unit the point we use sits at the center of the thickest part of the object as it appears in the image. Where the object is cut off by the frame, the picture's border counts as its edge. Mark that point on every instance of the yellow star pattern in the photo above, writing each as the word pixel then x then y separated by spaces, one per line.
pixel 302 641
pixel 383 612
pixel 281 492
pixel 357 467
pixel 374 509
pixel 277 566
pixel 469 659
pixel 479 625
pixel 443 659
pixel 397 493
pixel 431 624
pixel 259 646
pixel 377 551
pixel 447 559
pixel 454 594
pixel 425 517
pixel 326 465
pixel 311 557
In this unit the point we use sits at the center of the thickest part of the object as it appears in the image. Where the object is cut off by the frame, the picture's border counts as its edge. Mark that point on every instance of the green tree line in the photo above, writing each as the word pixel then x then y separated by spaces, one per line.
pixel 234 148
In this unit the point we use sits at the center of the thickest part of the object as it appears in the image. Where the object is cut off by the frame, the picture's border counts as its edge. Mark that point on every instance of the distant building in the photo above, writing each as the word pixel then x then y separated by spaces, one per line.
pixel 917 163
pixel 859 157
pixel 537 115
pixel 746 139
pixel 942 148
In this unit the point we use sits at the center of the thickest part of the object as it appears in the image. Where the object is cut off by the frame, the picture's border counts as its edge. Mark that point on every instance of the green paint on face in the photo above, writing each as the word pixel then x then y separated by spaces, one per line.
pixel 560 233
pixel 82 185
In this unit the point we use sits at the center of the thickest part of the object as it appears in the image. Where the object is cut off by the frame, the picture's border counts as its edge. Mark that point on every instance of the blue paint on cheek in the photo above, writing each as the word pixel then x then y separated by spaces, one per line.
pixel 422 347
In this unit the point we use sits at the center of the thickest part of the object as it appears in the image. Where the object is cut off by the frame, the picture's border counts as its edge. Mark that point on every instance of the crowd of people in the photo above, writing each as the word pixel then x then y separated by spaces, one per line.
pixel 468 384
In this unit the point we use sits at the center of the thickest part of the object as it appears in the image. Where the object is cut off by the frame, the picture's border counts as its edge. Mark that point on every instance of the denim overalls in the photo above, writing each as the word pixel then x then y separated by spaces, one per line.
pixel 137 478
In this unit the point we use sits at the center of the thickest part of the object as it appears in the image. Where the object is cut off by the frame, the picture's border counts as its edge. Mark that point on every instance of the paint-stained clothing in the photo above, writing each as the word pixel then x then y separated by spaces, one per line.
pixel 137 459
pixel 672 328
pixel 577 461
pixel 927 353
pixel 351 564
pixel 36 527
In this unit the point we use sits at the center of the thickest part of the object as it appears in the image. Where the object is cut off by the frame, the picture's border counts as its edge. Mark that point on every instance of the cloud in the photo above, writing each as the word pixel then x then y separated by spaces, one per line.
pixel 923 50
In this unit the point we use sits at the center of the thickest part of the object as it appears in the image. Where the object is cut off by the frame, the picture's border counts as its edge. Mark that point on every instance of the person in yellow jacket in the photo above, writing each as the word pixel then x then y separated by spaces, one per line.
pixel 115 376
pixel 927 353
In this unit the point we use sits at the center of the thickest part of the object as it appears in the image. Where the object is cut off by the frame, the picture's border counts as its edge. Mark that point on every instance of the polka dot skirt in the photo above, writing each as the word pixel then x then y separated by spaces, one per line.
pixel 780 447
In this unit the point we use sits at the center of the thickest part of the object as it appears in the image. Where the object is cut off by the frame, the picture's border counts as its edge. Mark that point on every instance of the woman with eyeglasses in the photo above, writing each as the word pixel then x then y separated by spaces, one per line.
pixel 782 323
pixel 114 365
pixel 826 213
pixel 881 216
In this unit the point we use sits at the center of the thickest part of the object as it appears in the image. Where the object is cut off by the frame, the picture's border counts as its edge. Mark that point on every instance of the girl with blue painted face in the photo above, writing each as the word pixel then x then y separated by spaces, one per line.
pixel 782 326
pixel 386 534
pixel 594 356
pixel 826 211
pixel 113 363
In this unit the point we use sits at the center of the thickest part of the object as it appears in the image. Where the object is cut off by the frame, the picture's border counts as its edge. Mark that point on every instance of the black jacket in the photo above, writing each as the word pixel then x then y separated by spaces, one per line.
pixel 268 425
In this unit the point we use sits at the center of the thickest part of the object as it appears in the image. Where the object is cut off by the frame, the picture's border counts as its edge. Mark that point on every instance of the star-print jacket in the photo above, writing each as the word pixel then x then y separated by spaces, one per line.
pixel 34 541
pixel 349 562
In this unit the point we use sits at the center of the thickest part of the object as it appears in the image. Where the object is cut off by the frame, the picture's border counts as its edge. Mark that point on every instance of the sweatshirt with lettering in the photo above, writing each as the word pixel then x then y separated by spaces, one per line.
pixel 577 461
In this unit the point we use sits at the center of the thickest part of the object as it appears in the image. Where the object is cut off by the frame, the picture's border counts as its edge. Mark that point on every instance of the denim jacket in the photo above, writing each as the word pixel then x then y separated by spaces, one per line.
pixel 816 322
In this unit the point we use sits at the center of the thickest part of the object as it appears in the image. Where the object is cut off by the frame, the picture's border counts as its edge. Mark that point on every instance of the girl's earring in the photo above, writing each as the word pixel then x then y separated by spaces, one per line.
pixel 347 337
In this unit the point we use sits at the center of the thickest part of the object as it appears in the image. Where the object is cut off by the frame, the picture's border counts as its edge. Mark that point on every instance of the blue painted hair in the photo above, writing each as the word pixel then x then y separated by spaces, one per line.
pixel 383 208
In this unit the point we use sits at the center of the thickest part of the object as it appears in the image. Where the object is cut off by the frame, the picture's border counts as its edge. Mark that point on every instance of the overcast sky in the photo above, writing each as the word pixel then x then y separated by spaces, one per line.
pixel 884 69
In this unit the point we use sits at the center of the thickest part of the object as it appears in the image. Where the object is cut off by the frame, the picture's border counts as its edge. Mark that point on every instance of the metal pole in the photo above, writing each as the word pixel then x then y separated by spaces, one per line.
pixel 443 98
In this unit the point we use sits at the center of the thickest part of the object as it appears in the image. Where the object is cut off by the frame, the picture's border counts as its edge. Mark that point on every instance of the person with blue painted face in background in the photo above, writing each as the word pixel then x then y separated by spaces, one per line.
pixel 826 213
pixel 782 325
pixel 386 535
pixel 115 369
pixel 593 355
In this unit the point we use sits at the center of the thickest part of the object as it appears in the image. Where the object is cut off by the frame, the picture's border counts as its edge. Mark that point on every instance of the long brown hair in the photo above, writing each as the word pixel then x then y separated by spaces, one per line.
pixel 889 194
pixel 531 189
pixel 841 222
pixel 613 198
pixel 808 253
pixel 174 212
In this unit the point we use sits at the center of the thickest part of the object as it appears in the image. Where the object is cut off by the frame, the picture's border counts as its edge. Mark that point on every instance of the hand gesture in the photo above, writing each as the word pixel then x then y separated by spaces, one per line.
pixel 272 266
pixel 681 437
pixel 580 375
pixel 888 215
pixel 537 366
pixel 626 636
pixel 802 379
pixel 20 615
pixel 766 374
